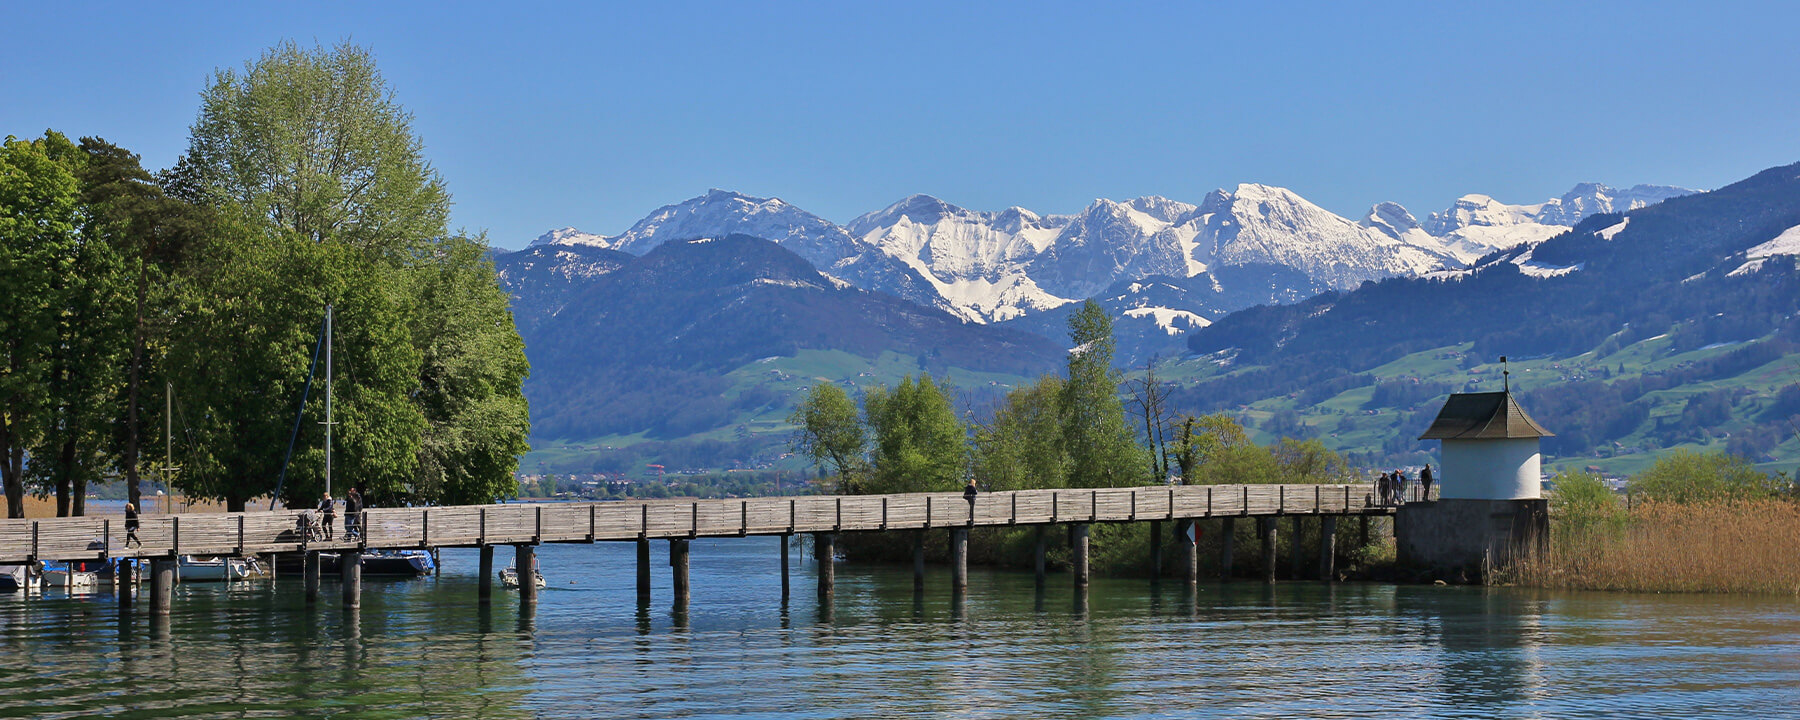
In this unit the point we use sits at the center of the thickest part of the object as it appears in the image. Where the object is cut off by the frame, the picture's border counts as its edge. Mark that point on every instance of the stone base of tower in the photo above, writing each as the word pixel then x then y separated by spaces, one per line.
pixel 1466 540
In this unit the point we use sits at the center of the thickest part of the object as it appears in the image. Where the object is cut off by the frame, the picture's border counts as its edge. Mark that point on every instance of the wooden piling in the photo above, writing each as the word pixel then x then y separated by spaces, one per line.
pixel 525 569
pixel 1186 536
pixel 643 571
pixel 484 588
pixel 126 583
pixel 1227 543
pixel 162 585
pixel 1037 556
pixel 959 559
pixel 350 569
pixel 784 567
pixel 1296 553
pixel 1328 548
pixel 825 551
pixel 310 569
pixel 1265 527
pixel 678 568
pixel 918 560
pixel 1156 549
pixel 1078 553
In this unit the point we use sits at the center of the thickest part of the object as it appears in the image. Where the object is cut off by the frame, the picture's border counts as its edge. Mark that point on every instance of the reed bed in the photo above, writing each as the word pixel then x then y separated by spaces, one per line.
pixel 1742 546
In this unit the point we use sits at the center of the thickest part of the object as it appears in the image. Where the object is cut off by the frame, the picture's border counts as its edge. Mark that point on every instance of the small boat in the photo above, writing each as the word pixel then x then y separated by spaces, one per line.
pixel 219 568
pixel 71 576
pixel 16 578
pixel 398 562
pixel 510 577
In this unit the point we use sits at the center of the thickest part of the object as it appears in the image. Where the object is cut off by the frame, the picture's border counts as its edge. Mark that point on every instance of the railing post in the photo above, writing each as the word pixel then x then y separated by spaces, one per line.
pixel 425 527
pixel 481 532
pixel 1281 499
pixel 884 512
pixel 1055 503
pixel 694 520
pixel 593 510
pixel 175 544
pixel 106 536
pixel 1209 490
pixel 34 540
pixel 1172 501
pixel 1134 494
pixel 1317 489
pixel 1093 505
pixel 537 536
pixel 240 543
pixel 744 518
pixel 927 511
pixel 1246 510
pixel 643 521
pixel 791 513
pixel 1013 516
pixel 838 522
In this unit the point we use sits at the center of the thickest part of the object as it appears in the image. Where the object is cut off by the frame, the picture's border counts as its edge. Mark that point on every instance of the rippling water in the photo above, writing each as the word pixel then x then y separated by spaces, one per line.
pixel 425 648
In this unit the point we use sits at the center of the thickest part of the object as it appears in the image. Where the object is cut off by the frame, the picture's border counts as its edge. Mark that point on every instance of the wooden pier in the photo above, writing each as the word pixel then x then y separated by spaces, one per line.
pixel 526 525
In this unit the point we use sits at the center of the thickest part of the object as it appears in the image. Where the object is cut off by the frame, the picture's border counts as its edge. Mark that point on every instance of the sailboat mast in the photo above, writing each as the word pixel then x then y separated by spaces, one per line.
pixel 327 399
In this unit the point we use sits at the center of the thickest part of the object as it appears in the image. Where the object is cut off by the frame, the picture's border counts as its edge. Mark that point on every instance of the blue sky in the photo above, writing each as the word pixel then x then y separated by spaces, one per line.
pixel 594 114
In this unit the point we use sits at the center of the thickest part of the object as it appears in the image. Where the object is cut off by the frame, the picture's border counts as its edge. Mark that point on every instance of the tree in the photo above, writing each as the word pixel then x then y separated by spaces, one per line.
pixel 1685 476
pixel 1101 450
pixel 1150 396
pixel 830 430
pixel 309 149
pixel 39 202
pixel 1021 448
pixel 920 444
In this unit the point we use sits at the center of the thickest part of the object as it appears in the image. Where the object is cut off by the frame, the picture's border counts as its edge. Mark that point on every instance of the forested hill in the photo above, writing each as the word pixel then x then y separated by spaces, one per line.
pixel 645 344
pixel 1702 271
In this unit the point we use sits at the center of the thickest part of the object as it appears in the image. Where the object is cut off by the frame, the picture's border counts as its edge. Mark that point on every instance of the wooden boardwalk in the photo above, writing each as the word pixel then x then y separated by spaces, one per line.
pixel 249 533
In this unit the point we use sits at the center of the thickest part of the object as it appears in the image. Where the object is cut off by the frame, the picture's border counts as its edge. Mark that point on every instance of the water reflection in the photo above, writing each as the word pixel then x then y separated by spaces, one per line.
pixel 1005 647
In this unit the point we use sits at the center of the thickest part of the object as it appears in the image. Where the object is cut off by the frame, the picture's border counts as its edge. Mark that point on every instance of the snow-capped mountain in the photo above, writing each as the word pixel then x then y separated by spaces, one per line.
pixel 1475 225
pixel 571 236
pixel 1253 244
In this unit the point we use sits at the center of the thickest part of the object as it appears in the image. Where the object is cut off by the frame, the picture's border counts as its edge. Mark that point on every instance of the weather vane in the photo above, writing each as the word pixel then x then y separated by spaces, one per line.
pixel 1505 376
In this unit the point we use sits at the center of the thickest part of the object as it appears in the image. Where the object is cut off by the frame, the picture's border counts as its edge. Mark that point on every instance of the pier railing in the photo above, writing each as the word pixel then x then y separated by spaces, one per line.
pixel 89 538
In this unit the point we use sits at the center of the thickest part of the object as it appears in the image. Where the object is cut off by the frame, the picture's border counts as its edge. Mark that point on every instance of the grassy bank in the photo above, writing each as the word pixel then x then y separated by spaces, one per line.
pixel 1733 546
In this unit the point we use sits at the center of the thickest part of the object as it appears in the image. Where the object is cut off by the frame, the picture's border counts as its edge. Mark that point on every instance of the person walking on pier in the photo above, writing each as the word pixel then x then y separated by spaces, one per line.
pixel 353 507
pixel 1425 483
pixel 1399 488
pixel 969 493
pixel 131 526
pixel 328 513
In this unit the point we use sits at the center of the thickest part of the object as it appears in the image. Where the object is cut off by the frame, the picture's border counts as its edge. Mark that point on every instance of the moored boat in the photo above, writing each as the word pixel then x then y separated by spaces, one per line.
pixel 510 577
pixel 219 568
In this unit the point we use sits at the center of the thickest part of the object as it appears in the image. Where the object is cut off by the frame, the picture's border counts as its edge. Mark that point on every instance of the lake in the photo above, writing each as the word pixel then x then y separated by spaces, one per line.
pixel 426 648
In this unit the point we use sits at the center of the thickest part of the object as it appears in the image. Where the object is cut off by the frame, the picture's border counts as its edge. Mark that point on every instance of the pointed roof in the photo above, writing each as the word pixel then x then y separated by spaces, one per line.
pixel 1483 416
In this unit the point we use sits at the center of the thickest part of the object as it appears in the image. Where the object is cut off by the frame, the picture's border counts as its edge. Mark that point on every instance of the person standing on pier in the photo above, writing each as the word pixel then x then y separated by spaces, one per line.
pixel 1399 488
pixel 131 526
pixel 353 507
pixel 328 512
pixel 1425 483
pixel 1384 487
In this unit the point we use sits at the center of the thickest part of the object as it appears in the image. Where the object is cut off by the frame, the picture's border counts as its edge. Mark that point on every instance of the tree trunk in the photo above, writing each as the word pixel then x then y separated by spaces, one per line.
pixel 65 471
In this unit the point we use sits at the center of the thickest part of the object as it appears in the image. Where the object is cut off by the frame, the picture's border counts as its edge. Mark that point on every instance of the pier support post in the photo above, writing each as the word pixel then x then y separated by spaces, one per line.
pixel 678 568
pixel 1037 556
pixel 1187 533
pixel 1227 543
pixel 525 565
pixel 162 585
pixel 1296 553
pixel 484 588
pixel 1328 548
pixel 643 571
pixel 309 568
pixel 825 551
pixel 784 567
pixel 1078 553
pixel 350 569
pixel 126 583
pixel 918 558
pixel 1156 543
pixel 1265 526
pixel 959 559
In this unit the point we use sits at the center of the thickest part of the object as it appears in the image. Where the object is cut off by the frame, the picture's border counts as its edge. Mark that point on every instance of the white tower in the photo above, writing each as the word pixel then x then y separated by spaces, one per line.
pixel 1490 448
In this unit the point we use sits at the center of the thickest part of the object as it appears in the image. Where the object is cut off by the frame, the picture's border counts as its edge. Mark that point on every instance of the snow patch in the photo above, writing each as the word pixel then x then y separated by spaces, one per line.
pixel 1168 319
pixel 1611 230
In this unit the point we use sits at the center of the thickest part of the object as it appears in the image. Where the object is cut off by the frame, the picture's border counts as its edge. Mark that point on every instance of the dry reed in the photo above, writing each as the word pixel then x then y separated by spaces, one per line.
pixel 1731 547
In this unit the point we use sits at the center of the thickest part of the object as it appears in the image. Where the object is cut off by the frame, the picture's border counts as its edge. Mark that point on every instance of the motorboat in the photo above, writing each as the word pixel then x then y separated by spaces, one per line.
pixel 71 576
pixel 16 578
pixel 510 577
pixel 218 568
pixel 398 562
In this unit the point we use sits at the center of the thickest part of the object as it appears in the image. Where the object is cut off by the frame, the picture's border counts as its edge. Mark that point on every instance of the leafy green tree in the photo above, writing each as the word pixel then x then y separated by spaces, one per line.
pixel 920 443
pixel 39 216
pixel 1102 451
pixel 309 150
pixel 1581 504
pixel 1685 476
pixel 830 430
pixel 1309 462
pixel 1201 440
pixel 1021 448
